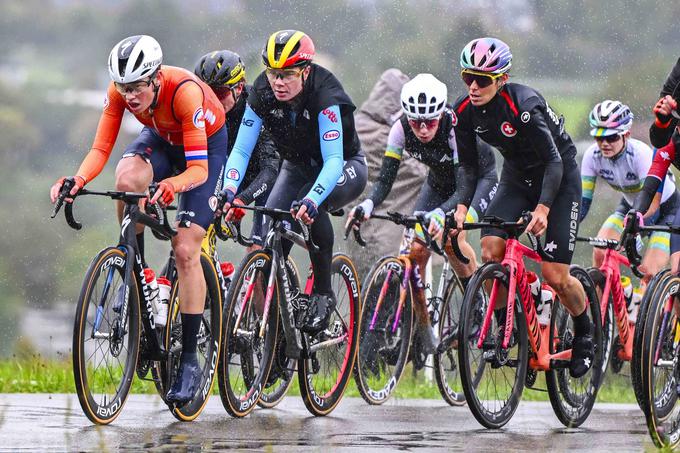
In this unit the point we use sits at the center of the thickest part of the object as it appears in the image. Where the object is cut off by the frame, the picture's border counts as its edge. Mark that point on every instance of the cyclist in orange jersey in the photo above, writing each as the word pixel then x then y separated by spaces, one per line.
pixel 183 147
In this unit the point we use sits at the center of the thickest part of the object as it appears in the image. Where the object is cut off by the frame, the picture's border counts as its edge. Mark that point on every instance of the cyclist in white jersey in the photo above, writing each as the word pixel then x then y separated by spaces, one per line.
pixel 623 162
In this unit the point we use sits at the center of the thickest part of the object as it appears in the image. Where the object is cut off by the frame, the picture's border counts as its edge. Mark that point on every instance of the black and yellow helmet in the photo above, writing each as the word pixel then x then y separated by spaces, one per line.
pixel 288 49
pixel 221 68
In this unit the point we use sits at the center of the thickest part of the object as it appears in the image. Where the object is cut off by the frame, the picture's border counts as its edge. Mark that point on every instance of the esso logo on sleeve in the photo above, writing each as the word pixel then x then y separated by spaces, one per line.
pixel 508 130
pixel 331 135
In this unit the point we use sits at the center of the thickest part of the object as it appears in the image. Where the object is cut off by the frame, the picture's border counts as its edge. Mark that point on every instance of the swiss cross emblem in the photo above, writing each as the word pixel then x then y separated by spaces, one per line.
pixel 508 130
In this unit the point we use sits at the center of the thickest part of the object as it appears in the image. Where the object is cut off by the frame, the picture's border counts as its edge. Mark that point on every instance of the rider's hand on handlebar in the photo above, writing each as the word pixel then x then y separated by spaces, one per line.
pixel 224 200
pixel 664 108
pixel 79 183
pixel 459 216
pixel 435 227
pixel 366 207
pixel 305 210
pixel 637 215
pixel 165 194
pixel 539 220
pixel 235 214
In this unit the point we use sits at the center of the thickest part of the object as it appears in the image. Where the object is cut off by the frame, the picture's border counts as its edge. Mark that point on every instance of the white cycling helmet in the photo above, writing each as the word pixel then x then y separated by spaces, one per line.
pixel 610 118
pixel 134 58
pixel 423 97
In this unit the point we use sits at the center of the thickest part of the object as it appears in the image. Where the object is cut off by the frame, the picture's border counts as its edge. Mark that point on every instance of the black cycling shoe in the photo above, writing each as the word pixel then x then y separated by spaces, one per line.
pixel 186 383
pixel 582 355
pixel 321 307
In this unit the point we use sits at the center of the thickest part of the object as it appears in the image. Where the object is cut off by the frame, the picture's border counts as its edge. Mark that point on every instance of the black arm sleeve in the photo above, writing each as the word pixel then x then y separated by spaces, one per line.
pixel 467 172
pixel 659 136
pixel 542 140
pixel 383 185
pixel 267 157
pixel 646 195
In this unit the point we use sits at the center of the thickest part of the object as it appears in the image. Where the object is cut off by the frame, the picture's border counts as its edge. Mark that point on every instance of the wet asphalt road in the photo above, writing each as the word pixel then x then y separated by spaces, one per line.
pixel 56 423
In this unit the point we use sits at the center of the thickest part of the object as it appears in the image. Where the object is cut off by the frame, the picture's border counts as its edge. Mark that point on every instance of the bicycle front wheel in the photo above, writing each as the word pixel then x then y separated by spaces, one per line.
pixel 660 369
pixel 385 332
pixel 324 375
pixel 209 340
pixel 492 376
pixel 248 338
pixel 105 337
pixel 446 369
pixel 609 323
pixel 572 399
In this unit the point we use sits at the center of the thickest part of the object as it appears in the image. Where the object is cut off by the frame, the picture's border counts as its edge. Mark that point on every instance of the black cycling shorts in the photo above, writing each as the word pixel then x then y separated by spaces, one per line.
pixel 519 192
pixel 198 204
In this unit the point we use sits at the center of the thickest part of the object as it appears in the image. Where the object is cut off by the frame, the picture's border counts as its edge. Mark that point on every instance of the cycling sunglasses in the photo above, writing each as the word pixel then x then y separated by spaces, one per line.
pixel 609 138
pixel 483 80
pixel 418 123
pixel 222 92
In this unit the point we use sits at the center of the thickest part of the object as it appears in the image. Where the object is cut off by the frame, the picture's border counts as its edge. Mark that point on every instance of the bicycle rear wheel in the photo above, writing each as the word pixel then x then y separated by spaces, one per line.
pixel 492 377
pixel 660 370
pixel 105 337
pixel 609 323
pixel 651 295
pixel 384 340
pixel 283 368
pixel 446 368
pixel 572 399
pixel 248 345
pixel 209 340
pixel 324 375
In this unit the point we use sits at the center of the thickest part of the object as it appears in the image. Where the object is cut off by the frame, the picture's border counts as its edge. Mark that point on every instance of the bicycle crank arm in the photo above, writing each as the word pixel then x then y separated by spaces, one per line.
pixel 327 343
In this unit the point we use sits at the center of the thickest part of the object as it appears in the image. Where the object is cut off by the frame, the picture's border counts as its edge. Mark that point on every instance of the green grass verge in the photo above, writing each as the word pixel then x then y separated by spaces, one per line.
pixel 37 375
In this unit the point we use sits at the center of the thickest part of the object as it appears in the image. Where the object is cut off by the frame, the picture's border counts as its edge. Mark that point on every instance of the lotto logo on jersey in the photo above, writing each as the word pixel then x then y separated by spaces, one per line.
pixel 198 118
pixel 233 173
pixel 210 117
pixel 106 101
pixel 508 130
pixel 332 117
pixel 331 135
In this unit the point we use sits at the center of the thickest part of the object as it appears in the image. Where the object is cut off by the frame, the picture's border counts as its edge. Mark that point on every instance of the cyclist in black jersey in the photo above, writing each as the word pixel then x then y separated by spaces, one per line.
pixel 310 117
pixel 225 73
pixel 426 132
pixel 665 110
pixel 539 173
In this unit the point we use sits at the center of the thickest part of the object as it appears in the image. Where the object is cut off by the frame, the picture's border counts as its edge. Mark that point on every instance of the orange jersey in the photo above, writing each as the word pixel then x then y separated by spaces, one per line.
pixel 187 112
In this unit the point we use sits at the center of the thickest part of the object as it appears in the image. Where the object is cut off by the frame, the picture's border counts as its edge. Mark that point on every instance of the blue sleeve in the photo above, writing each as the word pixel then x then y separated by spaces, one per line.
pixel 246 139
pixel 330 139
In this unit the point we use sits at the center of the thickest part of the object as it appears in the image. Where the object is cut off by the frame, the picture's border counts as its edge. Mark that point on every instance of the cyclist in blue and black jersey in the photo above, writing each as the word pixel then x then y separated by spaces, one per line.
pixel 309 115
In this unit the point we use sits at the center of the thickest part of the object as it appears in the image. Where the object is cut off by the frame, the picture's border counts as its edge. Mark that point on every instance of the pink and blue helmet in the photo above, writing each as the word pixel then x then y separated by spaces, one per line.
pixel 486 55
pixel 609 118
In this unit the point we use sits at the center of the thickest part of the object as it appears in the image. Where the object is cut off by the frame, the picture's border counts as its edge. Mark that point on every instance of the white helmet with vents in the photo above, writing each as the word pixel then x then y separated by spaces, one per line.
pixel 134 58
pixel 423 97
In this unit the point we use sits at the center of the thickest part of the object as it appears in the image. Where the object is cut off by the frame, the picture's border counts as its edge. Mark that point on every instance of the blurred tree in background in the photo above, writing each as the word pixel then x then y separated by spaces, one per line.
pixel 53 75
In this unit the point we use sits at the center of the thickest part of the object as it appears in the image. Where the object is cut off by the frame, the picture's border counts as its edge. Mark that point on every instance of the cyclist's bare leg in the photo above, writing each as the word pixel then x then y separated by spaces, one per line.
pixel 462 270
pixel 654 260
pixel 606 233
pixel 675 265
pixel 493 251
pixel 568 288
pixel 419 255
pixel 133 174
pixel 187 247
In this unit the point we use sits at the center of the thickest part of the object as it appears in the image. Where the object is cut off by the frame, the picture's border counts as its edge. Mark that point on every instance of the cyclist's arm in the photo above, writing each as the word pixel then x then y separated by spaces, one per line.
pixel 452 201
pixel 657 172
pixel 188 100
pixel 268 158
pixel 105 138
pixel 662 128
pixel 588 180
pixel 248 133
pixel 467 173
pixel 542 140
pixel 331 152
pixel 390 164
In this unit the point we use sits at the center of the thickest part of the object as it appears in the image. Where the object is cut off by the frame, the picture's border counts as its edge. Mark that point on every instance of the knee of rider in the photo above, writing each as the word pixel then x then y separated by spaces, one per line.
pixel 185 254
pixel 598 256
pixel 557 280
pixel 419 252
pixel 128 181
pixel 491 252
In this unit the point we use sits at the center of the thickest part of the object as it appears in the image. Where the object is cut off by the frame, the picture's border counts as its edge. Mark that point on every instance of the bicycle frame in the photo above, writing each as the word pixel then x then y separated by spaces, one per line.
pixel 539 336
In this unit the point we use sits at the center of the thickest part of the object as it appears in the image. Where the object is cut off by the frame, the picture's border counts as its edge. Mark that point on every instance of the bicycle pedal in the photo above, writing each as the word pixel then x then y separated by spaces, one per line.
pixel 559 364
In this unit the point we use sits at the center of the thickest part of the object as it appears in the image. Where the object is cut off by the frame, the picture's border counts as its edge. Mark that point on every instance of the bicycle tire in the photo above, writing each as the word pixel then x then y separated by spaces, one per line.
pixel 572 399
pixel 609 323
pixel 209 340
pixel 246 358
pixel 638 337
pixel 475 376
pixel 275 389
pixel 663 420
pixel 382 356
pixel 105 408
pixel 446 369
pixel 321 395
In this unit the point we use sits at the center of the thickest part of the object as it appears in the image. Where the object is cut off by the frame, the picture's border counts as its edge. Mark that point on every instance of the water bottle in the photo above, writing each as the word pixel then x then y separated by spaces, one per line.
pixel 152 284
pixel 634 305
pixel 547 297
pixel 227 271
pixel 163 300
pixel 534 284
pixel 627 286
